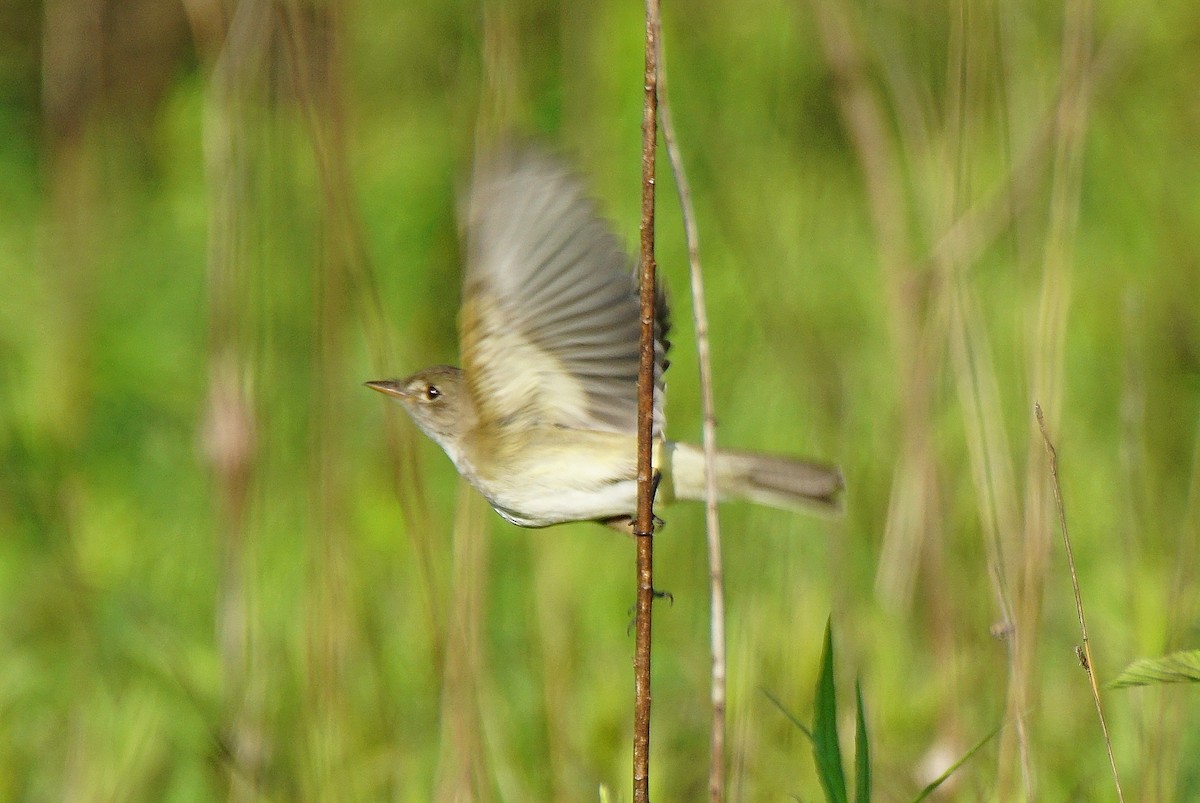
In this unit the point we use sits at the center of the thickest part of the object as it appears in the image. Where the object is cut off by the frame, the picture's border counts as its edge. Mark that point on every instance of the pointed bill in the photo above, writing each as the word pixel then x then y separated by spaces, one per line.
pixel 550 317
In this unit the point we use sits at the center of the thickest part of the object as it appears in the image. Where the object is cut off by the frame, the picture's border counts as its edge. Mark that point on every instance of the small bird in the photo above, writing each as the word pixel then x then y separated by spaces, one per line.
pixel 541 418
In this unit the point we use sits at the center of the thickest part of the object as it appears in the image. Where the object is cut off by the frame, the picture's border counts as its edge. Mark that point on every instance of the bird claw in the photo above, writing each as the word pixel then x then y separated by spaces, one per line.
pixel 628 525
pixel 632 610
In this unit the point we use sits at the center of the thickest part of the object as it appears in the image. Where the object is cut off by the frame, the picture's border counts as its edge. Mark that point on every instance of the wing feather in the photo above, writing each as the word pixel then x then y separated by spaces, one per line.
pixel 550 318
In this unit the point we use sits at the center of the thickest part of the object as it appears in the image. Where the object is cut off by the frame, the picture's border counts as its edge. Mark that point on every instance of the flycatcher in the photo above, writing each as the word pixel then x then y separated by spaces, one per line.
pixel 541 417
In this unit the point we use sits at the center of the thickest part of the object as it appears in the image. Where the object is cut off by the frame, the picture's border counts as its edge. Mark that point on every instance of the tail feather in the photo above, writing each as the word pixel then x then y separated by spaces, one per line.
pixel 774 480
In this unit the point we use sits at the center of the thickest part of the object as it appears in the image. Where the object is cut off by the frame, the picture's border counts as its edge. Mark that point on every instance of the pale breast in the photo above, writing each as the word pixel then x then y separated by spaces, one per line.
pixel 559 475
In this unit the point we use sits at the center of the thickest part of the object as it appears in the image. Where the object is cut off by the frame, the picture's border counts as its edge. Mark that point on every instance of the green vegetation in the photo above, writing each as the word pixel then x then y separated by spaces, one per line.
pixel 229 571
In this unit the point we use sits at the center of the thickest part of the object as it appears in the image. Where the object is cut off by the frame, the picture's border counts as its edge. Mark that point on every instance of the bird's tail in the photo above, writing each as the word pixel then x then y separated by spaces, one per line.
pixel 774 480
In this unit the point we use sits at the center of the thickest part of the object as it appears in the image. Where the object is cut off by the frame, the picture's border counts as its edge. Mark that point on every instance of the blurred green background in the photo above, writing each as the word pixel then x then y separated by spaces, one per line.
pixel 227 571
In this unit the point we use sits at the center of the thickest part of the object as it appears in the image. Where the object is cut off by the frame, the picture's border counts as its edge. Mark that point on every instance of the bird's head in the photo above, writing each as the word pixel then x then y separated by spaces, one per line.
pixel 438 400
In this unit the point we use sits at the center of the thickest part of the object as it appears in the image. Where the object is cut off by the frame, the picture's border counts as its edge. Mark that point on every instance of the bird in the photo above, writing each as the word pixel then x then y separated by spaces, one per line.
pixel 541 417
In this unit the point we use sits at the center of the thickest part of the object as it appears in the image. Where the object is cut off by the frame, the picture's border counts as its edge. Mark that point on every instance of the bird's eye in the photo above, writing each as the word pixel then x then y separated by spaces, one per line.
pixel 431 392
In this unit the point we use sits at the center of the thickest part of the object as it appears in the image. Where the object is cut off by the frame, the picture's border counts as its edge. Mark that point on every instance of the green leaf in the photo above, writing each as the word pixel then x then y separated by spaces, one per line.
pixel 1178 667
pixel 826 750
pixel 862 750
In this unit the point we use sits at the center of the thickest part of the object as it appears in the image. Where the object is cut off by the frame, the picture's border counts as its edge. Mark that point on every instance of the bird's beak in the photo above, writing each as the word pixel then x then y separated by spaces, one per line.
pixel 388 387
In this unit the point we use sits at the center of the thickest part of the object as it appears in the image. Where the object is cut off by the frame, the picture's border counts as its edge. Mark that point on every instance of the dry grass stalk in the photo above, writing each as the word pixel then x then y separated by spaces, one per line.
pixel 1084 651
pixel 716 574
pixel 910 520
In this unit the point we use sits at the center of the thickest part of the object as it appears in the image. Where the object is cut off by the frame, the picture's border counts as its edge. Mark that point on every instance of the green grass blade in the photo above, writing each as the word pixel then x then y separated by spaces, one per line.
pixel 862 749
pixel 941 779
pixel 1178 667
pixel 827 752
pixel 791 717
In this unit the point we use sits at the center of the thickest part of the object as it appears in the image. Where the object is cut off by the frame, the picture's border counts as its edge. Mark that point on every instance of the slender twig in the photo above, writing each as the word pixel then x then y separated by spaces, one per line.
pixel 1085 651
pixel 644 524
pixel 716 574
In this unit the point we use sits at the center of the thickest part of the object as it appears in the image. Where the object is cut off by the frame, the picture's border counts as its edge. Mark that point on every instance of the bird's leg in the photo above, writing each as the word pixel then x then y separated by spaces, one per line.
pixel 626 524
pixel 622 524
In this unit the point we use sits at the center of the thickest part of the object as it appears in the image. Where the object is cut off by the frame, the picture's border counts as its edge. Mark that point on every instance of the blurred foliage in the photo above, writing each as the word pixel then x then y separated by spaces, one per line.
pixel 1178 667
pixel 227 572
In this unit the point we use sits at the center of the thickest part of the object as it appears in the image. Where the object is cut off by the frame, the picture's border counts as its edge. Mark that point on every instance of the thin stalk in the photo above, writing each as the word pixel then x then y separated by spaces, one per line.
pixel 1085 650
pixel 644 524
pixel 716 574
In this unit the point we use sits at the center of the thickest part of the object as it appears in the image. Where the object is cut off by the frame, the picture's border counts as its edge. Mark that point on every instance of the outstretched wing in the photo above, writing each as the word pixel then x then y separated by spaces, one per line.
pixel 550 316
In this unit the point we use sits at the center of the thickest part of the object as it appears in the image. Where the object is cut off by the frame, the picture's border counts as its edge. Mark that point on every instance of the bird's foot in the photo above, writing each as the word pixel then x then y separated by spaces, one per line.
pixel 628 525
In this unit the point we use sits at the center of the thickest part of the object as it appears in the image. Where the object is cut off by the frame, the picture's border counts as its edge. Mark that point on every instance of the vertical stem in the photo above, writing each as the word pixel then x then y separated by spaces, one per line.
pixel 644 524
pixel 716 574
pixel 1084 651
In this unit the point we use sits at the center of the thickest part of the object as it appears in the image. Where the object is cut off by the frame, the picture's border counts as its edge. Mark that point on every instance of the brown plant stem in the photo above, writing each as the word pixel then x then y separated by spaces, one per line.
pixel 644 524
pixel 1085 650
